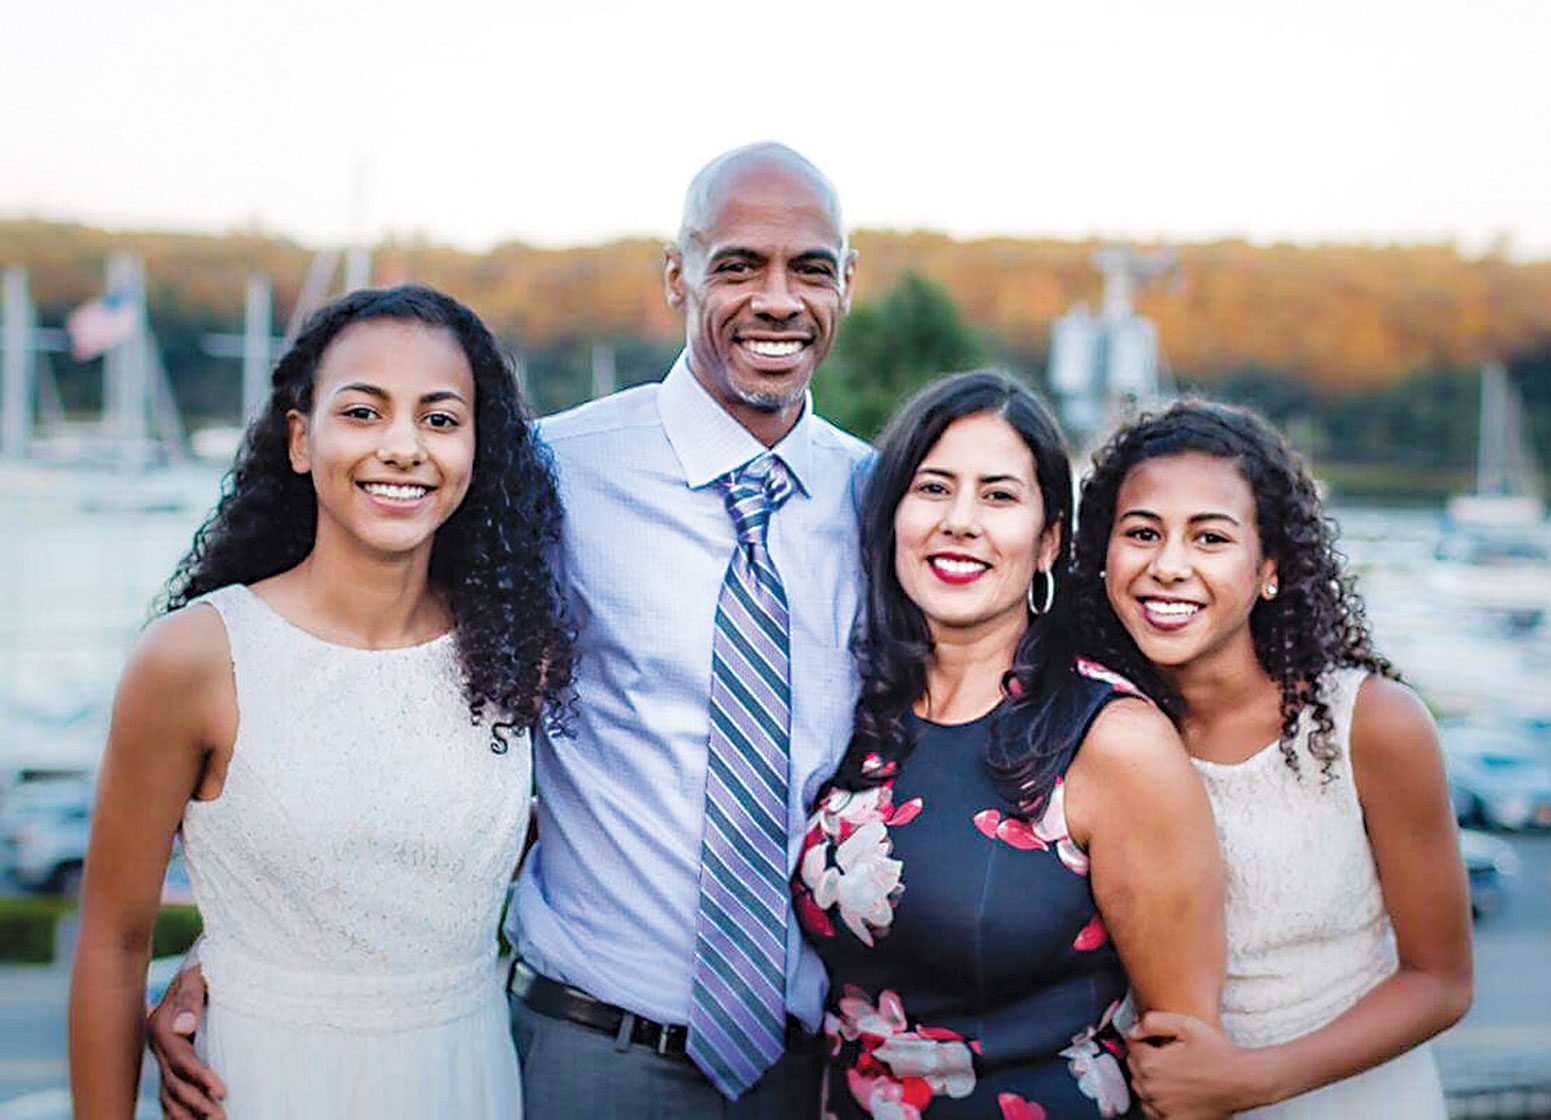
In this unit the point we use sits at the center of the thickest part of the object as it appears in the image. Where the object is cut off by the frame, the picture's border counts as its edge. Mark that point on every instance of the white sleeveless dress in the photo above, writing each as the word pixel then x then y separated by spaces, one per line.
pixel 350 875
pixel 1308 935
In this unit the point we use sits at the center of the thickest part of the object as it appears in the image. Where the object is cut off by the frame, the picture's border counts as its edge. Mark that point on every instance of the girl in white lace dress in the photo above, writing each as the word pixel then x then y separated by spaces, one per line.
pixel 1207 573
pixel 334 710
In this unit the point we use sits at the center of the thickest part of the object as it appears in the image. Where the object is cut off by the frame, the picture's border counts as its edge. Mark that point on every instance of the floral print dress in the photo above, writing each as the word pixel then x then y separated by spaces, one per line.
pixel 970 973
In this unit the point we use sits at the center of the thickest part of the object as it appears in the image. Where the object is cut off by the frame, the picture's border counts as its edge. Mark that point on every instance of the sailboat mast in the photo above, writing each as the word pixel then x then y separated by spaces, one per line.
pixel 15 386
pixel 1507 490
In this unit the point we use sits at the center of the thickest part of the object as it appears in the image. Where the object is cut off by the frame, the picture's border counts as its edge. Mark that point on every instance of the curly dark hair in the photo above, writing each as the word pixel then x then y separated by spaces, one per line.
pixel 1316 621
pixel 491 558
pixel 1032 737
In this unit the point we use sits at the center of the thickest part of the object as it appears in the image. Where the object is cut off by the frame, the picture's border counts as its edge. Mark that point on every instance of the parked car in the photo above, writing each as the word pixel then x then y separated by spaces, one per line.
pixel 1491 864
pixel 1497 778
pixel 44 831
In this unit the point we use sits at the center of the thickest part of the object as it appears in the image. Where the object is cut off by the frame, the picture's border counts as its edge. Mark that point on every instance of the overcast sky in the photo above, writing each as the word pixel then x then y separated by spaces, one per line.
pixel 474 122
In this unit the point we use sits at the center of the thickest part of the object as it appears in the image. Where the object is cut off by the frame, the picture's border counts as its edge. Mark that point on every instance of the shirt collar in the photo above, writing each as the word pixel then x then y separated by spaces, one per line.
pixel 709 442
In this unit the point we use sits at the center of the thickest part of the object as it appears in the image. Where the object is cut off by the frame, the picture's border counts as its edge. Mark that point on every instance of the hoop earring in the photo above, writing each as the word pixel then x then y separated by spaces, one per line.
pixel 1050 594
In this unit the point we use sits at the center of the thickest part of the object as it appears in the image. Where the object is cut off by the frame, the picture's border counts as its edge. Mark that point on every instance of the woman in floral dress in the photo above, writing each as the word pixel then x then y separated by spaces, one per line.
pixel 1014 835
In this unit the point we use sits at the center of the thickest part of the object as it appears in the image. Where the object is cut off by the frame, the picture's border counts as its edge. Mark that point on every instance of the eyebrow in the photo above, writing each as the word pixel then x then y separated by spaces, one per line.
pixel 1194 518
pixel 433 397
pixel 737 252
pixel 983 479
pixel 828 256
pixel 740 252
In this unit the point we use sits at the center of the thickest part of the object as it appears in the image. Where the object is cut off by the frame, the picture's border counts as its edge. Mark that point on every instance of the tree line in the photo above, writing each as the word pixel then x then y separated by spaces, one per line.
pixel 1366 354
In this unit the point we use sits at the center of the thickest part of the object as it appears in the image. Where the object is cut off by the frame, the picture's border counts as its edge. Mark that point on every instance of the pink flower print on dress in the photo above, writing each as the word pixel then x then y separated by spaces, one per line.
pixel 873 766
pixel 855 1015
pixel 1094 671
pixel 846 864
pixel 1051 828
pixel 1097 1070
pixel 1015 1107
pixel 841 811
pixel 810 915
pixel 1013 832
pixel 899 1070
pixel 1091 936
pixel 1038 836
pixel 862 883
pixel 938 1057
pixel 883 1098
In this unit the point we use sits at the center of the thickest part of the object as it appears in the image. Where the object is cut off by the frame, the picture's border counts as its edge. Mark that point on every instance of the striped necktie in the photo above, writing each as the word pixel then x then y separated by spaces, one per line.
pixel 737 1015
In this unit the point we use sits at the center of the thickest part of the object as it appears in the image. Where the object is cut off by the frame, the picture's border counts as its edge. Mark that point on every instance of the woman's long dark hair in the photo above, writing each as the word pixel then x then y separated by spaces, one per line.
pixel 892 643
pixel 491 558
pixel 1314 624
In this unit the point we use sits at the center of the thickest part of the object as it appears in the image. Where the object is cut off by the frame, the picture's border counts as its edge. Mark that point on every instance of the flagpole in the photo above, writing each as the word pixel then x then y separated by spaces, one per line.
pixel 14 382
pixel 257 324
pixel 126 385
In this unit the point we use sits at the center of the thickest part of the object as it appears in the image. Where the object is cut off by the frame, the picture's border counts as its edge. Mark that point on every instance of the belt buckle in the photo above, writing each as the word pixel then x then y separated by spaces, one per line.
pixel 662 1041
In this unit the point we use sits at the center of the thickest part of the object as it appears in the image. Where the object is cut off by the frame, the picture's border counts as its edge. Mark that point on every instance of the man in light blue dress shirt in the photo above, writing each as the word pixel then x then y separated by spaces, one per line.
pixel 605 912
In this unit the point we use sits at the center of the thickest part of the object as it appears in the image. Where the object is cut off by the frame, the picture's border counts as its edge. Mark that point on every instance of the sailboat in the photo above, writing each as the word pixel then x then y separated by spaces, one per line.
pixel 1495 555
pixel 135 459
pixel 1507 492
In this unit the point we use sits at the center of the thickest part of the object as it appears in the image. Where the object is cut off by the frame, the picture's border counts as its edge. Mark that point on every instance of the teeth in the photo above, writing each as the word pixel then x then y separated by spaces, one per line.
pixel 772 349
pixel 1172 610
pixel 390 490
pixel 957 567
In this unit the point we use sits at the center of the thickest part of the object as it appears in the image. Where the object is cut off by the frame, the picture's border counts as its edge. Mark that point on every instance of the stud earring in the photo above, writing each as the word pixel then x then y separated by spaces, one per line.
pixel 1268 592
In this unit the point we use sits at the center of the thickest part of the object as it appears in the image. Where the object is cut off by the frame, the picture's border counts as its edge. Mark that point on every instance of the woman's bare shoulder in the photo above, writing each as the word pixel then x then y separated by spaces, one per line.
pixel 1391 726
pixel 1132 733
pixel 1131 766
pixel 182 649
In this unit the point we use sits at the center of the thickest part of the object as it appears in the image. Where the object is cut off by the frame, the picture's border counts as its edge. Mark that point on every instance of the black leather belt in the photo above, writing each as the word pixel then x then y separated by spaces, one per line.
pixel 561 1001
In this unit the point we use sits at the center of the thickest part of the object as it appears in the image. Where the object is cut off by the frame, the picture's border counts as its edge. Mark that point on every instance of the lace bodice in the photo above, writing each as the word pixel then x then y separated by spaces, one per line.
pixel 351 871
pixel 1307 931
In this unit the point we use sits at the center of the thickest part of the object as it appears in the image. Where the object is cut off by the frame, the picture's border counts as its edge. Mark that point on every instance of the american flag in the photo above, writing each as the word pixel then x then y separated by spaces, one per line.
pixel 97 327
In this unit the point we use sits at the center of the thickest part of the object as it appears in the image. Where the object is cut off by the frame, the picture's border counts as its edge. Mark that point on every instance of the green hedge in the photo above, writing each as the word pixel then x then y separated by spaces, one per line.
pixel 174 931
pixel 27 928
